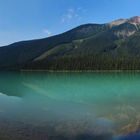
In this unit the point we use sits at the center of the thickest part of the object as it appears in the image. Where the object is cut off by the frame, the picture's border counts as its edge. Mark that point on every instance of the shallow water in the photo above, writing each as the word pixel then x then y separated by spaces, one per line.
pixel 57 106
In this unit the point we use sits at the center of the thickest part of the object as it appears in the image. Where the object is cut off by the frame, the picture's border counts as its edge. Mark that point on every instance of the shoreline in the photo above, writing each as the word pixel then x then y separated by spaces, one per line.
pixel 80 71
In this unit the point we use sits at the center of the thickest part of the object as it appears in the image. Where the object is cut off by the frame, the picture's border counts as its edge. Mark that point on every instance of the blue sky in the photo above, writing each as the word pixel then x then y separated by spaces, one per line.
pixel 31 19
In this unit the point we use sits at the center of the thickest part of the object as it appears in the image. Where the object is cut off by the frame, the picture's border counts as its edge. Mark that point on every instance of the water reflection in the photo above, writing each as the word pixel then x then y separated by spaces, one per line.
pixel 71 105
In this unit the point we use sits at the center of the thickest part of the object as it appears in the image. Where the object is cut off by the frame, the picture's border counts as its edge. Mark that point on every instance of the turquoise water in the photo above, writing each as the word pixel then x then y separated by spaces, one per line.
pixel 56 105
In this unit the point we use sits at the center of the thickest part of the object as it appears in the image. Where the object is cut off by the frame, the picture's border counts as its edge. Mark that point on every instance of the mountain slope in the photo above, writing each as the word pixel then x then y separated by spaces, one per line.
pixel 18 54
pixel 114 45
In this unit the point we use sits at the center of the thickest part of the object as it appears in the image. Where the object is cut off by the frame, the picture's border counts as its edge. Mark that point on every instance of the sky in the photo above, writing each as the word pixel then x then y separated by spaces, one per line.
pixel 34 19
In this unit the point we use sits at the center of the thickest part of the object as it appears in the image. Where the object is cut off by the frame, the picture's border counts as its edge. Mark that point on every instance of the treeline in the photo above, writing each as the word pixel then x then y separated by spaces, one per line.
pixel 104 62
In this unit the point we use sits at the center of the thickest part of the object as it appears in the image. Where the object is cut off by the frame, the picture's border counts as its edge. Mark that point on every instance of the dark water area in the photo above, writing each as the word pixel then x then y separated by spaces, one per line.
pixel 69 106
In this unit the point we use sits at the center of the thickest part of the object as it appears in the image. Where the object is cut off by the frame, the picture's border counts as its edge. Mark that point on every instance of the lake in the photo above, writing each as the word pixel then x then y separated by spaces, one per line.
pixel 73 106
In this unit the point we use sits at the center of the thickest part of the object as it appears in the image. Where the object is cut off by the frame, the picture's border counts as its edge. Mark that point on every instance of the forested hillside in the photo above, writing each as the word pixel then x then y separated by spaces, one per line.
pixel 111 46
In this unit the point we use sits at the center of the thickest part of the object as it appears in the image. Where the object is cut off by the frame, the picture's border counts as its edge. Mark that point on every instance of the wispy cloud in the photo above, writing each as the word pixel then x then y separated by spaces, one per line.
pixel 48 32
pixel 72 14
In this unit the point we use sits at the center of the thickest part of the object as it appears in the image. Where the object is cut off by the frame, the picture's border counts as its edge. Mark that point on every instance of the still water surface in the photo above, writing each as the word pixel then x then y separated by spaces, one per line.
pixel 57 106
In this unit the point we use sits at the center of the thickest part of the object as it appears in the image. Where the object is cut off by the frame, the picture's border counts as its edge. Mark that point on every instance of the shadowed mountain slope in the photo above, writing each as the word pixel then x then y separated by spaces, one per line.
pixel 115 45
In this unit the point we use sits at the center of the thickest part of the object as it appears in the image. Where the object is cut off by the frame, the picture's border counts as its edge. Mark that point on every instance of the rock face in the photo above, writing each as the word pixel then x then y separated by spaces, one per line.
pixel 117 22
pixel 115 45
pixel 134 20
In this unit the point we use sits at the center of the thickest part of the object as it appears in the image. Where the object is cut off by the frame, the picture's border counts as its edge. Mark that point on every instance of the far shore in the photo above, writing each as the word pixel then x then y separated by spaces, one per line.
pixel 75 71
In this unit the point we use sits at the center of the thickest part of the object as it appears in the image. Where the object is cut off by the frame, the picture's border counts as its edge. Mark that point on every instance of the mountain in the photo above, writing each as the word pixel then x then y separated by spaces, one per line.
pixel 109 46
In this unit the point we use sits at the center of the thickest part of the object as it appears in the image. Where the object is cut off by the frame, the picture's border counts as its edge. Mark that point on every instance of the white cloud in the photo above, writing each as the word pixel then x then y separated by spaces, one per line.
pixel 48 32
pixel 72 14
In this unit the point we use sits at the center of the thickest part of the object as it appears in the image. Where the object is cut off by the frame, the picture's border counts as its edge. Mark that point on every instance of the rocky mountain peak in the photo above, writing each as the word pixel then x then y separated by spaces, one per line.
pixel 117 22
pixel 134 20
